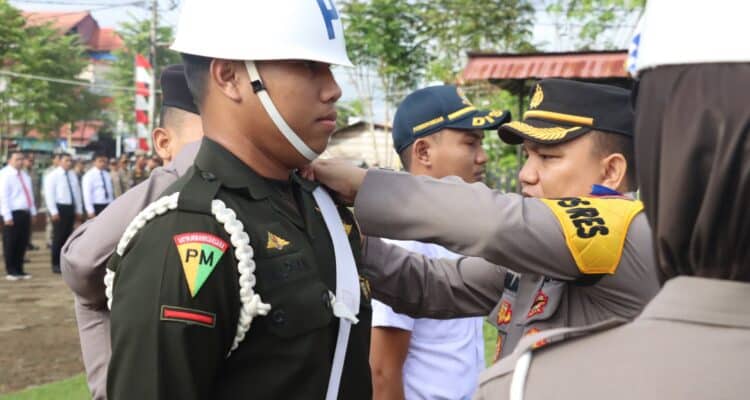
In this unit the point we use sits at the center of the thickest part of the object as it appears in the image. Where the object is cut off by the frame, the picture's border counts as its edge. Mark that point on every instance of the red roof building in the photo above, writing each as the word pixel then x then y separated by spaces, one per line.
pixel 100 42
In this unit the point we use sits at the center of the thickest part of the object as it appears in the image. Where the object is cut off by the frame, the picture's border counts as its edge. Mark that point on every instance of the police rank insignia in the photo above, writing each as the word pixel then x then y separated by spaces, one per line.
pixel 537 98
pixel 540 301
pixel 276 242
pixel 199 254
pixel 538 343
pixel 505 313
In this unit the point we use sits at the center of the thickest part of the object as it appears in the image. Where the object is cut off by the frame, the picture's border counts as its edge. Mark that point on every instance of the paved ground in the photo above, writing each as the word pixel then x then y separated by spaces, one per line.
pixel 38 336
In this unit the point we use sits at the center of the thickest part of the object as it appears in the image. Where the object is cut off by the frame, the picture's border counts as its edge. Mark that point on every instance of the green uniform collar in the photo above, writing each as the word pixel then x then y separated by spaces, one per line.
pixel 233 173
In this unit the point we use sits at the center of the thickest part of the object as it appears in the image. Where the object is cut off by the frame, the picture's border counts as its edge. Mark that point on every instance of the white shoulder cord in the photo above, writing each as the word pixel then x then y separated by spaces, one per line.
pixel 520 373
pixel 346 301
pixel 252 305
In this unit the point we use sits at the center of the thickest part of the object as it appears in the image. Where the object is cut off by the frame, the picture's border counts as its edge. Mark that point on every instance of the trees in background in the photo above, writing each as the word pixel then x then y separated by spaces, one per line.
pixel 135 35
pixel 40 51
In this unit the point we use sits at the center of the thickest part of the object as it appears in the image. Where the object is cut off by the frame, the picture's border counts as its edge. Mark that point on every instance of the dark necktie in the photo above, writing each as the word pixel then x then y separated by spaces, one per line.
pixel 70 189
pixel 104 183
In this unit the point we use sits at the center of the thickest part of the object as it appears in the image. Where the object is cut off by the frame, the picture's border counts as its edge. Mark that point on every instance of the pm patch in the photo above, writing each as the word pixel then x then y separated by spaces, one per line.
pixel 199 254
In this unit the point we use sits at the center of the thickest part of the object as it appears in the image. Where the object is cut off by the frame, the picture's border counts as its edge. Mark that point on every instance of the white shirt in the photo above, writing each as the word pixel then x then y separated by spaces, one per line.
pixel 13 196
pixel 445 356
pixel 689 32
pixel 94 191
pixel 58 185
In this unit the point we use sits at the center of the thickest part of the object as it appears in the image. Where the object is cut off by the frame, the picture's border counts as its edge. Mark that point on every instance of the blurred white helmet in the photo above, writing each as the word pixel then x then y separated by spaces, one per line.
pixel 255 30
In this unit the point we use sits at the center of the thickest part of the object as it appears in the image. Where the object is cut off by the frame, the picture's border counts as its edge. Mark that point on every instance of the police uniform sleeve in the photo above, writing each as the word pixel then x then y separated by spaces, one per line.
pixel 422 287
pixel 175 306
pixel 563 239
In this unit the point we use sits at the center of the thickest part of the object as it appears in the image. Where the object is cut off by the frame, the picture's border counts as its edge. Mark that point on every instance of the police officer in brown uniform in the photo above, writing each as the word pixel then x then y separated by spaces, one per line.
pixel 692 341
pixel 85 254
pixel 566 254
pixel 241 282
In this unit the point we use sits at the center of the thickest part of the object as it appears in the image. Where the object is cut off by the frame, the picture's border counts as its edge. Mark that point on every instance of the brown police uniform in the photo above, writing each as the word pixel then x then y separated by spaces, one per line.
pixel 689 343
pixel 172 327
pixel 565 262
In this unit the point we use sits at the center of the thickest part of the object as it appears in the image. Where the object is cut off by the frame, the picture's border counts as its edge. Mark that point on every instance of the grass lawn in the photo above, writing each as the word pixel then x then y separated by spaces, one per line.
pixel 490 339
pixel 68 389
pixel 75 388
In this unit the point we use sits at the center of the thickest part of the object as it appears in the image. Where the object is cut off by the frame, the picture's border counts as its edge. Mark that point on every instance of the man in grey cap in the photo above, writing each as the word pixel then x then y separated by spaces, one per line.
pixel 85 254
pixel 583 253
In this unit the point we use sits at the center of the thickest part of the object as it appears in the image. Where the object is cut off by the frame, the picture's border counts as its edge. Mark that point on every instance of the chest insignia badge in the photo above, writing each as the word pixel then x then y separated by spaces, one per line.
pixel 540 302
pixel 276 242
pixel 505 313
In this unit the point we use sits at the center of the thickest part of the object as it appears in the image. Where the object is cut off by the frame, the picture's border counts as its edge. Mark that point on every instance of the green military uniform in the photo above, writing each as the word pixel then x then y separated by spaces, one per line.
pixel 171 334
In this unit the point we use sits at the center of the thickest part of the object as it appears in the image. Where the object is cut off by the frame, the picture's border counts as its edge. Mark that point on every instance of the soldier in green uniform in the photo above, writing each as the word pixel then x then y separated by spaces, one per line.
pixel 241 281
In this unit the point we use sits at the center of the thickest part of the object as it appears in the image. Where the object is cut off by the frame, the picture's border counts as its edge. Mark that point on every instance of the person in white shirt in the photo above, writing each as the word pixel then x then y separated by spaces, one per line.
pixel 17 207
pixel 97 187
pixel 437 133
pixel 54 163
pixel 63 197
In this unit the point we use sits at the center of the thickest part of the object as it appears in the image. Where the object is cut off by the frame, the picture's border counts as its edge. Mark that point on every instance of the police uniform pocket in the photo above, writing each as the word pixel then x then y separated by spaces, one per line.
pixel 299 308
pixel 280 271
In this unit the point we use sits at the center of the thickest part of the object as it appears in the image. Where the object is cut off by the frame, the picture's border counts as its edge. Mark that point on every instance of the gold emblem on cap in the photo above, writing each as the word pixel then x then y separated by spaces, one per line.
pixel 537 98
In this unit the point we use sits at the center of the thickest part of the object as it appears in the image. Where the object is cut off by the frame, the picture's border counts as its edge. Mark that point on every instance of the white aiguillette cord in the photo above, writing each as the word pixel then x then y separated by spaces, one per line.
pixel 346 302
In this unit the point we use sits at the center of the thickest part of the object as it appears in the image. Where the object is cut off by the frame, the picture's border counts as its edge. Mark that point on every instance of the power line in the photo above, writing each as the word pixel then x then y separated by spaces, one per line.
pixel 67 81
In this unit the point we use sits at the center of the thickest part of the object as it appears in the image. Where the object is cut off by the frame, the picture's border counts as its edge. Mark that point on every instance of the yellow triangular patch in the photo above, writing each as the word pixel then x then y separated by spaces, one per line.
pixel 276 242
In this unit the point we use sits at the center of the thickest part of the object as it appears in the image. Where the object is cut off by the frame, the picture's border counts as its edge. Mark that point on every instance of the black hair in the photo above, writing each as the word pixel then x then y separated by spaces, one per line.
pixel 405 157
pixel 172 117
pixel 610 143
pixel 196 74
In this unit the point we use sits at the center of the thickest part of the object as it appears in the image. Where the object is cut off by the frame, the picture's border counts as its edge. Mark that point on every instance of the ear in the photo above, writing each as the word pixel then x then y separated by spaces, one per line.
pixel 225 75
pixel 614 170
pixel 421 152
pixel 161 139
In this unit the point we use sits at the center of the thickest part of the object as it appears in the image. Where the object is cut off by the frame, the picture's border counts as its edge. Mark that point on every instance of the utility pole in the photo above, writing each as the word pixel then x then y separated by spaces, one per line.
pixel 152 60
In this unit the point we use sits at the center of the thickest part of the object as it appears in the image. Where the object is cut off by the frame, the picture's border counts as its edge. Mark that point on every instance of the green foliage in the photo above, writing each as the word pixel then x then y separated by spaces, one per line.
pixel 384 36
pixel 502 159
pixel 594 17
pixel 459 26
pixel 348 109
pixel 38 51
pixel 136 36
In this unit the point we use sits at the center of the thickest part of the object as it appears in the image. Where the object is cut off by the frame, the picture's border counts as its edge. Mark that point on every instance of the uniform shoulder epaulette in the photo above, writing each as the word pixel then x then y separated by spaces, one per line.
pixel 518 362
pixel 251 303
pixel 595 229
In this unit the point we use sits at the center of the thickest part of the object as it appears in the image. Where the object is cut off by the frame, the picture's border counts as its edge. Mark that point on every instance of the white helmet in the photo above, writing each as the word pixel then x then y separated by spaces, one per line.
pixel 251 30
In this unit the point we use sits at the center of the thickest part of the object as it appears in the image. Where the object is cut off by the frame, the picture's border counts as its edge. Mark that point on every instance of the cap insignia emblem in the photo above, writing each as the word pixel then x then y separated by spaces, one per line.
pixel 537 98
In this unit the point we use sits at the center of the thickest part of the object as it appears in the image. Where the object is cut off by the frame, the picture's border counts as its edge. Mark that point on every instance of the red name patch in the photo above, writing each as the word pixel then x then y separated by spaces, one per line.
pixel 188 316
